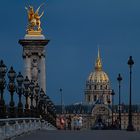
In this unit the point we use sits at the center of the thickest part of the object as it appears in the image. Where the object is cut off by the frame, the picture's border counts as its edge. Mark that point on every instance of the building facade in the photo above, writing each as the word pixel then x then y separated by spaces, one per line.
pixel 90 112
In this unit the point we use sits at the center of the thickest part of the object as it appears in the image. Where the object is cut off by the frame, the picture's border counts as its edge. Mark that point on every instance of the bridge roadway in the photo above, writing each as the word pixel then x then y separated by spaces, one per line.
pixel 80 135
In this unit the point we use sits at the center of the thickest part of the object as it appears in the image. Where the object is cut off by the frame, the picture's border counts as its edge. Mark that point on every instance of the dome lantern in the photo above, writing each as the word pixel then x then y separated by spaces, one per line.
pixel 98 76
pixel 98 64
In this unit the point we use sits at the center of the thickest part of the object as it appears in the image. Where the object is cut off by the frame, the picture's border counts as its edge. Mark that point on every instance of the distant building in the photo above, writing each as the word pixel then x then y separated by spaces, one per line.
pixel 89 114
pixel 97 111
pixel 98 85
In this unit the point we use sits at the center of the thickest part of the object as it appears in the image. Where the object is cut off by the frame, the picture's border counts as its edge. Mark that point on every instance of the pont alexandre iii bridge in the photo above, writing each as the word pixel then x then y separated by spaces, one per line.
pixel 34 110
pixel 35 115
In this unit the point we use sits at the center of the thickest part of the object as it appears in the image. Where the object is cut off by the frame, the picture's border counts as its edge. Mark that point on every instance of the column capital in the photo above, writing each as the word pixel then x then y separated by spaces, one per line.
pixel 41 54
pixel 35 42
pixel 26 54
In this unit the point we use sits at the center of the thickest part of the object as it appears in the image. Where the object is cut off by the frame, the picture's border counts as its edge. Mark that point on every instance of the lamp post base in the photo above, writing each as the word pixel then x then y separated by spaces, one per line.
pixel 20 112
pixel 130 128
pixel 2 112
pixel 26 112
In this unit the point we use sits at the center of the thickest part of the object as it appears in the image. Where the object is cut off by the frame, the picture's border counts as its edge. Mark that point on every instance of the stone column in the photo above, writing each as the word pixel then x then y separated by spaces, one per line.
pixel 35 48
pixel 27 67
pixel 42 76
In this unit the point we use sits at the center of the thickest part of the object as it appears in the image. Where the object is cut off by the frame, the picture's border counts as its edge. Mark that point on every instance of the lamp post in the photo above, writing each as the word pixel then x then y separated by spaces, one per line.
pixel 49 111
pixel 119 78
pixel 36 88
pixel 41 102
pixel 45 107
pixel 3 70
pixel 61 101
pixel 19 91
pixel 112 93
pixel 12 88
pixel 31 86
pixel 26 83
pixel 130 125
pixel 48 103
pixel 108 101
pixel 48 108
pixel 52 113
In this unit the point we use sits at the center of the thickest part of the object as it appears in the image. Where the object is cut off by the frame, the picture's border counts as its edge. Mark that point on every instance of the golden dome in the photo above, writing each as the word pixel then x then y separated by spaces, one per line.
pixel 98 75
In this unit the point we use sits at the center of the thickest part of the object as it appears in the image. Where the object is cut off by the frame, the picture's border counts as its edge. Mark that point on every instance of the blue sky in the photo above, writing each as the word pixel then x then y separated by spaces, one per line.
pixel 75 29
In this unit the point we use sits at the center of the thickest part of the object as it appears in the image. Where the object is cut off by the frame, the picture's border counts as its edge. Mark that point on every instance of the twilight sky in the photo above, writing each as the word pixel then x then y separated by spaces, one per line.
pixel 75 29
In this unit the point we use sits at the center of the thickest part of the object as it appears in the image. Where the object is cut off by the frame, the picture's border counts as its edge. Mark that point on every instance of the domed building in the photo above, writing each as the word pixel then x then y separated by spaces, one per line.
pixel 98 88
pixel 98 111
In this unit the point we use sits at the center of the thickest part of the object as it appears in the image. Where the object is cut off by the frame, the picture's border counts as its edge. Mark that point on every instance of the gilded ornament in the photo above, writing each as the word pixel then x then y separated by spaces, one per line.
pixel 34 23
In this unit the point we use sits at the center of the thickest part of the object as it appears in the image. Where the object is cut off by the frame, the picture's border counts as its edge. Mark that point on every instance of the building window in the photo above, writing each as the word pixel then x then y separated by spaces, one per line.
pixel 108 99
pixel 89 98
pixel 101 87
pixel 95 97
pixel 95 87
pixel 89 86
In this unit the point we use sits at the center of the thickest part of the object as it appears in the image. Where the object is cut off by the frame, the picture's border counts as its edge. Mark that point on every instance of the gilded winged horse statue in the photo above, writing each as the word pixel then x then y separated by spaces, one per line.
pixel 34 22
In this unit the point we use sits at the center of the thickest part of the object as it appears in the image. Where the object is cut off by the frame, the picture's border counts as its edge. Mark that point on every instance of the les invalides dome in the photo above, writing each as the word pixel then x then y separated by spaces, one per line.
pixel 98 85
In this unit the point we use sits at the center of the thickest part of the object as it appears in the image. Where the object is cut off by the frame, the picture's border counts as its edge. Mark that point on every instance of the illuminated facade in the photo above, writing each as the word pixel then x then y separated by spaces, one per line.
pixel 98 85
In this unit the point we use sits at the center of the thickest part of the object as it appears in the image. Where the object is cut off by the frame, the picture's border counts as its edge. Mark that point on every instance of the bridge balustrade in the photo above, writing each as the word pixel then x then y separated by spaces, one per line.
pixel 34 109
pixel 14 127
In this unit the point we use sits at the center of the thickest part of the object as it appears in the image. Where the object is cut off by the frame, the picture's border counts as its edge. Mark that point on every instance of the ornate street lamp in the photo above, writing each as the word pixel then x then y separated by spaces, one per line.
pixel 48 105
pixel 41 101
pixel 42 94
pixel 108 101
pixel 12 88
pixel 112 93
pixel 130 125
pixel 48 99
pixel 31 86
pixel 61 101
pixel 19 91
pixel 49 110
pixel 3 70
pixel 45 106
pixel 119 81
pixel 26 83
pixel 37 88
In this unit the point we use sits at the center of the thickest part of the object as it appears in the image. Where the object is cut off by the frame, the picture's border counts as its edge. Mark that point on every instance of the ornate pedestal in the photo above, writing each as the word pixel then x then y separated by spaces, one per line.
pixel 34 57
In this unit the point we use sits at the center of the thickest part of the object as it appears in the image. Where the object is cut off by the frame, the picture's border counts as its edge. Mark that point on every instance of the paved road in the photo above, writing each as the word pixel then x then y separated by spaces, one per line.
pixel 81 135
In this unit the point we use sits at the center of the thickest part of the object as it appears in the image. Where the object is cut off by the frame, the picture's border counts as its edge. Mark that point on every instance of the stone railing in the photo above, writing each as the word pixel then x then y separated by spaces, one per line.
pixel 13 127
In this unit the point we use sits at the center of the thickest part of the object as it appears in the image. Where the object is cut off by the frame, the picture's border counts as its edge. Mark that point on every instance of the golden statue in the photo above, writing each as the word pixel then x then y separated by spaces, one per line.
pixel 34 19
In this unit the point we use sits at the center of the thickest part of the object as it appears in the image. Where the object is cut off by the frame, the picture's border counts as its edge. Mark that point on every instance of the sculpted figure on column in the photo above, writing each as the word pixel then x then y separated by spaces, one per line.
pixel 34 23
